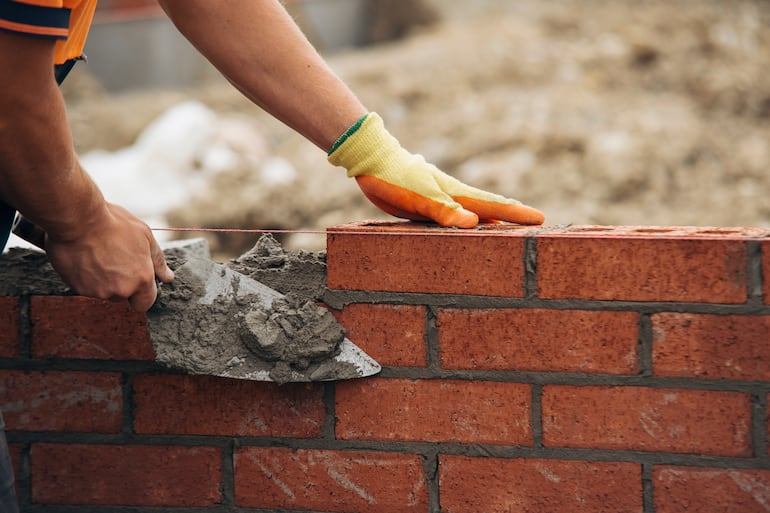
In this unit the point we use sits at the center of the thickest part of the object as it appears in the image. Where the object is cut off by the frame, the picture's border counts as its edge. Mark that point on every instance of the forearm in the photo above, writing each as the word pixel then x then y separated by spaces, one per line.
pixel 259 48
pixel 39 173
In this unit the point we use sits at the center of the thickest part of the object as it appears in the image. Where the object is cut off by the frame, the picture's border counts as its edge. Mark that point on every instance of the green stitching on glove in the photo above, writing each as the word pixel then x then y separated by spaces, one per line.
pixel 350 131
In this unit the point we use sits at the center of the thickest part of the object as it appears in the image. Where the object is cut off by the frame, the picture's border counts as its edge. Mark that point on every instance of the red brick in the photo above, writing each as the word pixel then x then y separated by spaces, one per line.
pixel 124 475
pixel 408 257
pixel 644 419
pixel 671 232
pixel 174 404
pixel 434 411
pixel 334 481
pixel 61 401
pixel 80 327
pixel 493 485
pixel 639 268
pixel 539 340
pixel 710 490
pixel 711 346
pixel 391 334
pixel 9 320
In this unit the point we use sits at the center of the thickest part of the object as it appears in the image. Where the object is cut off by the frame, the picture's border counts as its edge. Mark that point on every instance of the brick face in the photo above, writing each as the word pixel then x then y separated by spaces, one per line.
pixel 79 327
pixel 645 419
pixel 427 260
pixel 539 340
pixel 215 406
pixel 391 334
pixel 710 490
pixel 492 485
pixel 711 346
pixel 334 481
pixel 61 401
pixel 125 475
pixel 434 411
pixel 9 320
pixel 642 269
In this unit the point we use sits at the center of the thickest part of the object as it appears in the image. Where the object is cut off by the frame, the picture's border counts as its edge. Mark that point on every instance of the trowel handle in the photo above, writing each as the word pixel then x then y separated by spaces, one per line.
pixel 29 231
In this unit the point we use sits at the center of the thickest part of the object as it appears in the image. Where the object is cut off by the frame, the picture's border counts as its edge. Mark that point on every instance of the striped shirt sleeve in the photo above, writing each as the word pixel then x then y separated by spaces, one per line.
pixel 34 20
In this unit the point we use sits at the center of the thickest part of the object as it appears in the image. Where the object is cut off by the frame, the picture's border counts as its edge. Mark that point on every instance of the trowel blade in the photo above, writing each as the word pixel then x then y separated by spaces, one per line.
pixel 194 328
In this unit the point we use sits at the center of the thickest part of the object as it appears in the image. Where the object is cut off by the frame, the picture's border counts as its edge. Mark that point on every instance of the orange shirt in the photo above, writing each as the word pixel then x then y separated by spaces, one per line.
pixel 67 21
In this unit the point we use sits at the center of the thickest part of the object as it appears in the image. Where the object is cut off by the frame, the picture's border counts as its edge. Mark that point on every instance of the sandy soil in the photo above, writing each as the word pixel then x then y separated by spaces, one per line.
pixel 594 111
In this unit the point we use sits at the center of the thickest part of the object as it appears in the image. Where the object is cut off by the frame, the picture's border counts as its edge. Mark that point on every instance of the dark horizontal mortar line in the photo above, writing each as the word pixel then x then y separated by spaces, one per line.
pixel 86 365
pixel 338 299
pixel 605 455
pixel 418 448
pixel 222 508
pixel 426 373
pixel 120 439
pixel 577 379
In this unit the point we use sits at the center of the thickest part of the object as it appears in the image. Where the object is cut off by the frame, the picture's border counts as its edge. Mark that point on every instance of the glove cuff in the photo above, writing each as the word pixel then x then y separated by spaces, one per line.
pixel 367 147
pixel 350 131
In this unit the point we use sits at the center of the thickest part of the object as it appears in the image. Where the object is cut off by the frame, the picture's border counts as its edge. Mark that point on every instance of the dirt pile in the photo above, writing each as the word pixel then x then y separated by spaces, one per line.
pixel 595 111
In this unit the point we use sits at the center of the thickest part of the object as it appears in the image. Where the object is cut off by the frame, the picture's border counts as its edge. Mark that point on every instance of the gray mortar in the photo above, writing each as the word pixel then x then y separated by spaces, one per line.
pixel 214 319
pixel 232 326
pixel 301 272
pixel 213 325
pixel 27 272
pixel 293 330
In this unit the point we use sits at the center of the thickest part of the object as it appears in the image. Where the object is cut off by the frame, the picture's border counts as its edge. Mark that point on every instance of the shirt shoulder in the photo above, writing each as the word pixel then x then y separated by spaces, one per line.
pixel 36 18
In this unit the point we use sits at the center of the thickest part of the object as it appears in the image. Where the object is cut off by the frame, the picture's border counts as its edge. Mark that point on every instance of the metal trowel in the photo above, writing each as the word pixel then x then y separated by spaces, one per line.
pixel 215 321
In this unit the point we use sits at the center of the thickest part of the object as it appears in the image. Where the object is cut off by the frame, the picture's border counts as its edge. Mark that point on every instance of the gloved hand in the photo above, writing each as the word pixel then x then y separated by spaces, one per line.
pixel 405 185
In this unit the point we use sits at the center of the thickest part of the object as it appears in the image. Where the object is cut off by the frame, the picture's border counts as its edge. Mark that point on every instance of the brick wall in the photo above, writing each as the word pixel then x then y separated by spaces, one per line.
pixel 578 370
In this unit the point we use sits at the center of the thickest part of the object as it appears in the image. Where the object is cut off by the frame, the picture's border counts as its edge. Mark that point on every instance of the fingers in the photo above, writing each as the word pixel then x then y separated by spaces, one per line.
pixel 117 259
pixel 162 270
pixel 147 294
pixel 512 213
pixel 407 204
pixel 144 298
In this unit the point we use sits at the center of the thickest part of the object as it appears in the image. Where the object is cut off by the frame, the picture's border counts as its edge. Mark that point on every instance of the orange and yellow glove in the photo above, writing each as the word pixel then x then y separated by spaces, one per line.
pixel 405 185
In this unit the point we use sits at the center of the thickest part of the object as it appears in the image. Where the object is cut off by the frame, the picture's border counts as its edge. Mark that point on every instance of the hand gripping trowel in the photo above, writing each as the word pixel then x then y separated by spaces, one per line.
pixel 215 321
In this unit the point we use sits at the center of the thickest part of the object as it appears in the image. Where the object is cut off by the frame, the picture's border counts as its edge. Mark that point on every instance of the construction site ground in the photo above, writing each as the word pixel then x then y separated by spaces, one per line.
pixel 594 111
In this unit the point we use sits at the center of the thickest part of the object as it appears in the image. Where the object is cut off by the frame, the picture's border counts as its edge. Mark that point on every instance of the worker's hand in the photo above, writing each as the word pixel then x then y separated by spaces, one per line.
pixel 405 185
pixel 114 257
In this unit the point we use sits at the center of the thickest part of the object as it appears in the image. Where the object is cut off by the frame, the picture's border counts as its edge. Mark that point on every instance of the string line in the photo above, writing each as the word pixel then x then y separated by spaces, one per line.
pixel 421 233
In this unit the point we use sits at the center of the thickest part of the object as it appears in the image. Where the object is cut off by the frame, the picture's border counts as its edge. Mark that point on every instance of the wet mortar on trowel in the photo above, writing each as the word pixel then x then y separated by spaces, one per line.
pixel 287 335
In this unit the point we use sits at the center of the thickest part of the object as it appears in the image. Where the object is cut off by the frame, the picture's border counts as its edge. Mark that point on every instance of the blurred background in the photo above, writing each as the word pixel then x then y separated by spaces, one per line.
pixel 636 112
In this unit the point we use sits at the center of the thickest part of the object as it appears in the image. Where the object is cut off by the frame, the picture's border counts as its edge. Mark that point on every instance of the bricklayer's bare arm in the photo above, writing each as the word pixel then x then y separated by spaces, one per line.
pixel 98 248
pixel 259 48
